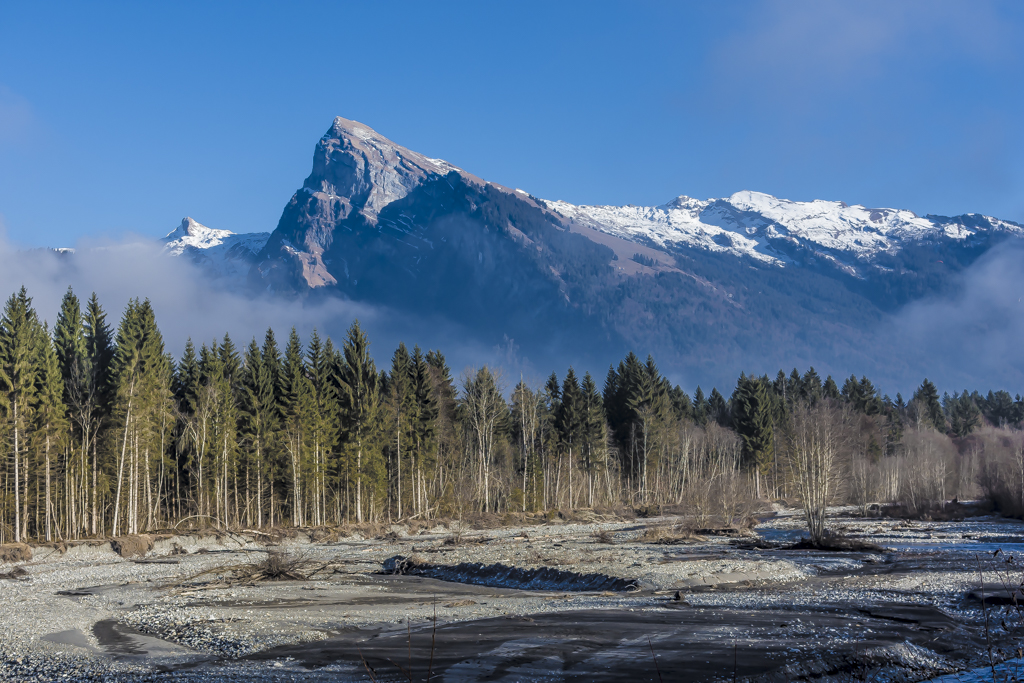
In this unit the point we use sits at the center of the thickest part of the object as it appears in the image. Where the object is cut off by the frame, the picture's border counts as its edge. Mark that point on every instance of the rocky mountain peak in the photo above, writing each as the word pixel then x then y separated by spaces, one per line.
pixel 192 233
pixel 356 169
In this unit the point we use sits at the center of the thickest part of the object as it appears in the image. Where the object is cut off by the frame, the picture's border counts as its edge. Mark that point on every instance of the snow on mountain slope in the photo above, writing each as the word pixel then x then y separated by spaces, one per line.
pixel 759 226
pixel 676 223
pixel 221 252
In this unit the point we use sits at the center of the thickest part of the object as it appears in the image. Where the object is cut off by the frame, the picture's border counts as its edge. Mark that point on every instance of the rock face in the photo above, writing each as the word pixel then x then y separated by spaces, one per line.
pixel 220 252
pixel 356 173
pixel 708 286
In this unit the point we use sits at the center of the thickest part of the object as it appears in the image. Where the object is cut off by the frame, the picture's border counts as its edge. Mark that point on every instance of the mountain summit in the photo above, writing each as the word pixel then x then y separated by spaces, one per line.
pixel 221 252
pixel 708 286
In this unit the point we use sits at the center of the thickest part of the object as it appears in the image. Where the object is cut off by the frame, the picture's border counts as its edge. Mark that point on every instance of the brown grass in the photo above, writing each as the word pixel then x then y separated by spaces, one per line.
pixel 663 534
pixel 15 552
pixel 132 545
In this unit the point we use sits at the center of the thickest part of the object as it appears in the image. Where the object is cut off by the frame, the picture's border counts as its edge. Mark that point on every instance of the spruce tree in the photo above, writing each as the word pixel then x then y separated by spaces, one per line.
pixel 810 387
pixel 19 334
pixel 927 399
pixel 93 403
pixel 718 409
pixel 296 405
pixel 323 420
pixel 829 389
pixel 700 407
pixel 423 430
pixel 595 434
pixel 50 420
pixel 360 411
pixel 569 421
pixel 401 407
pixel 753 419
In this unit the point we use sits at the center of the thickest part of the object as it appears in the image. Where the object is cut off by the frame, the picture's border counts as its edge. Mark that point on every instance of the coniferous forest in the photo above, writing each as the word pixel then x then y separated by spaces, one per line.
pixel 106 434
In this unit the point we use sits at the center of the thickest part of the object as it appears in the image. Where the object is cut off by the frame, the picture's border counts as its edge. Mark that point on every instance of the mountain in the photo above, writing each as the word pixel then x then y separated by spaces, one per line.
pixel 710 287
pixel 220 252
pixel 780 232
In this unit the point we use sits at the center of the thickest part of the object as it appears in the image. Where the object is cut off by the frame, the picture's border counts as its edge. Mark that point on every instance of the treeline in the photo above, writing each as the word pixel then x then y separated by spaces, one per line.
pixel 105 434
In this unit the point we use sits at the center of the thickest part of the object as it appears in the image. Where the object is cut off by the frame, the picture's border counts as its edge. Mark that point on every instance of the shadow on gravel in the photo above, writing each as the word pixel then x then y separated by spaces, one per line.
pixel 125 642
pixel 689 644
pixel 503 576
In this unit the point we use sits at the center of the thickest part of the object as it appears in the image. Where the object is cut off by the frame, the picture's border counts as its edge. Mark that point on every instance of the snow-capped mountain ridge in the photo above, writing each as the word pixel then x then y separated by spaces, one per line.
pixel 760 226
pixel 221 252
pixel 191 233
pixel 706 285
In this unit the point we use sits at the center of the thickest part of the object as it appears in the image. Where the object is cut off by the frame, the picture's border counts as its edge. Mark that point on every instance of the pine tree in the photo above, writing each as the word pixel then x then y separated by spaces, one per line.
pixel 595 434
pixel 423 430
pixel 81 401
pixel 810 387
pixel 93 404
pixel 569 422
pixel 700 407
pixel 964 415
pixel 259 421
pixel 19 333
pixel 753 419
pixel 271 357
pixel 718 409
pixel 142 394
pixel 360 411
pixel 323 429
pixel 445 428
pixel 296 405
pixel 927 399
pixel 401 408
pixel 829 389
pixel 49 418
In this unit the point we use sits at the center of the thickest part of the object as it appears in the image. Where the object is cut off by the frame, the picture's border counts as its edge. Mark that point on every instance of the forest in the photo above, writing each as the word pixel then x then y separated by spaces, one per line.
pixel 106 434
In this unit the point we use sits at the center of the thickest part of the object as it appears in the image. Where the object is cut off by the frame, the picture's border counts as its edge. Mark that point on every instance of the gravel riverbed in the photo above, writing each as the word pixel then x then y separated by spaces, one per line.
pixel 701 606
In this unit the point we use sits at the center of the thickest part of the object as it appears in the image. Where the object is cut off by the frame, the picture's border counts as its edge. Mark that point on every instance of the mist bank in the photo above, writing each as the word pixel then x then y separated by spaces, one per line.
pixel 190 303
pixel 967 339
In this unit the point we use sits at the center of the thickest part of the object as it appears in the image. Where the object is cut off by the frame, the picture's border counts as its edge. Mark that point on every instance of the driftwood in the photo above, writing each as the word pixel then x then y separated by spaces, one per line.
pixel 276 566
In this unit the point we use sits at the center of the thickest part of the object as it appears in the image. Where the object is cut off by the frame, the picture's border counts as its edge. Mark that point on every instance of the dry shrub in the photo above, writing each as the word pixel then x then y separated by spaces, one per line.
pixel 15 552
pixel 323 534
pixel 663 534
pixel 279 566
pixel 460 603
pixel 647 511
pixel 132 545
pixel 275 566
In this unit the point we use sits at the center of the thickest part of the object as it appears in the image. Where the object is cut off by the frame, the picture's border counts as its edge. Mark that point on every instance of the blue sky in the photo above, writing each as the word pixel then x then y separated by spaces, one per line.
pixel 125 118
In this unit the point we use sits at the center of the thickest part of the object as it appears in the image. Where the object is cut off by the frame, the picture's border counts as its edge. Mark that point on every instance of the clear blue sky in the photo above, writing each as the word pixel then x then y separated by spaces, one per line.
pixel 128 117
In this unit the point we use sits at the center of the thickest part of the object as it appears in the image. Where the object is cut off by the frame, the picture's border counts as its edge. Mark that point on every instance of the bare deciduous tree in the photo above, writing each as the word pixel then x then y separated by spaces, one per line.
pixel 817 436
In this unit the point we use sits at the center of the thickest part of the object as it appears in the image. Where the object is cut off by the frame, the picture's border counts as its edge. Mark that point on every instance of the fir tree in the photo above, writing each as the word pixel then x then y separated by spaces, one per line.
pixel 19 334
pixel 700 407
pixel 360 410
pixel 927 399
pixel 829 389
pixel 296 405
pixel 49 418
